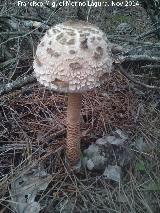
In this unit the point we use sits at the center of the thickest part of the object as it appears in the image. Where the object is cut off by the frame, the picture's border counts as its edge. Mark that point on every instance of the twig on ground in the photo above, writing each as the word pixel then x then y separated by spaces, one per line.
pixel 148 33
pixel 139 58
pixel 138 112
pixel 20 33
pixel 124 72
pixel 17 84
pixel 133 41
pixel 26 18
pixel 151 66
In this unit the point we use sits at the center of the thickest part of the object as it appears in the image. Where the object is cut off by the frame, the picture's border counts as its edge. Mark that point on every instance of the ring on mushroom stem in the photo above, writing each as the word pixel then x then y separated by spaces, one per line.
pixel 72 57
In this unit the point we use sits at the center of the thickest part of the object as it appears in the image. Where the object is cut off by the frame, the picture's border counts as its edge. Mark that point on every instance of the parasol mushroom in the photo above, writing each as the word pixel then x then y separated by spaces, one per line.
pixel 72 57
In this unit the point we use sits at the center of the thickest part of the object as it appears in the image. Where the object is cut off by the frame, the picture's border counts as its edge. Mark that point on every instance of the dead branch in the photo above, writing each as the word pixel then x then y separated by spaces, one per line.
pixel 17 84
pixel 148 33
pixel 124 72
pixel 151 66
pixel 22 33
pixel 133 41
pixel 25 18
pixel 140 58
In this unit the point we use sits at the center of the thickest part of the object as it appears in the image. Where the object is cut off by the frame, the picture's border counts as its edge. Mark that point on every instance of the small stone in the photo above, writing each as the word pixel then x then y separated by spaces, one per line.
pixel 121 134
pixel 142 146
pixel 110 139
pixel 101 141
pixel 99 162
pixel 90 164
pixel 113 173
pixel 115 140
pixel 92 150
pixel 84 161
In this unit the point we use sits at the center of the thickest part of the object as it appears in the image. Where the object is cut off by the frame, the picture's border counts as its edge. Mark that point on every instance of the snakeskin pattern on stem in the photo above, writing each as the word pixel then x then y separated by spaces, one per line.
pixel 73 128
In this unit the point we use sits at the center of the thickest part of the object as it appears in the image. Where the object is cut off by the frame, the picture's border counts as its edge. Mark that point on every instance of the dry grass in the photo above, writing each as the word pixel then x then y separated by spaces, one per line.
pixel 33 133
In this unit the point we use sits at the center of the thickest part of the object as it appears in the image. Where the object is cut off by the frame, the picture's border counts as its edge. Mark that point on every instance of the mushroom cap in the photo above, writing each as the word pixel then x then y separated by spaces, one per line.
pixel 72 57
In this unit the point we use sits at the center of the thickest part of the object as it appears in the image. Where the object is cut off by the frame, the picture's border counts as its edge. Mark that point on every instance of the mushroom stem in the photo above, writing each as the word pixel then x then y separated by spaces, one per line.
pixel 73 128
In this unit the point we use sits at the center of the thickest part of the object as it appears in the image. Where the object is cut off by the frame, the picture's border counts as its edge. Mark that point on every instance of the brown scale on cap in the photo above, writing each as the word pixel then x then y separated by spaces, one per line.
pixel 84 44
pixel 60 83
pixel 75 66
pixel 84 34
pixel 71 33
pixel 49 34
pixel 59 36
pixel 99 38
pixel 96 55
pixel 38 62
pixel 72 51
pixel 52 52
pixel 55 31
pixel 42 44
pixel 71 41
pixel 63 41
pixel 99 52
pixel 92 39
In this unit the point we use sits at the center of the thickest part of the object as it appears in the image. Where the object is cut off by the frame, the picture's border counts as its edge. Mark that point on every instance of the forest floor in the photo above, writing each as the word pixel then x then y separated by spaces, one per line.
pixel 33 132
